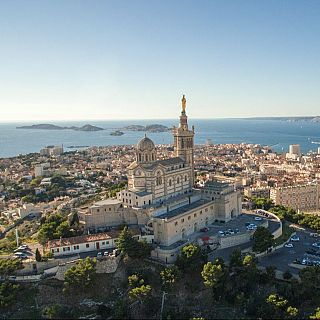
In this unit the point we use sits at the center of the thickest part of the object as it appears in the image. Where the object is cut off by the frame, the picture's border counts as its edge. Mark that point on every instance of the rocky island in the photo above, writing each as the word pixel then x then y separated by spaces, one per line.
pixel 46 126
pixel 148 128
pixel 117 133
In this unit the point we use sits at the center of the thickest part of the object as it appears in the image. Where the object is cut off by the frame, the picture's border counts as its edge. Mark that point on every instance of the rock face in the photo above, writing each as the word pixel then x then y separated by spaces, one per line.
pixel 46 126
pixel 148 128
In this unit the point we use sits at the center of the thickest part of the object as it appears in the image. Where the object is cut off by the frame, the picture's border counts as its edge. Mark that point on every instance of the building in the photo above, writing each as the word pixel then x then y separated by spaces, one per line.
pixel 161 198
pixel 90 242
pixel 52 151
pixel 299 197
pixel 27 209
pixel 42 170
pixel 294 152
pixel 257 192
pixel 294 149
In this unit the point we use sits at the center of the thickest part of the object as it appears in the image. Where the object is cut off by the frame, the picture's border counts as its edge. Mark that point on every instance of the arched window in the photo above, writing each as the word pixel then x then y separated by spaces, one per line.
pixel 158 179
pixel 139 156
pixel 170 182
pixel 185 178
pixel 178 180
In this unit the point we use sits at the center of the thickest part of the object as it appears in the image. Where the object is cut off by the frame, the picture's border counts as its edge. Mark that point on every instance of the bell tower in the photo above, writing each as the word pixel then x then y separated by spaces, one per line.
pixel 183 139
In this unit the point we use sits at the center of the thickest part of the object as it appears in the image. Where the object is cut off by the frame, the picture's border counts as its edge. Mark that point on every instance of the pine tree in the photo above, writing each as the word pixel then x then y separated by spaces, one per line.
pixel 38 255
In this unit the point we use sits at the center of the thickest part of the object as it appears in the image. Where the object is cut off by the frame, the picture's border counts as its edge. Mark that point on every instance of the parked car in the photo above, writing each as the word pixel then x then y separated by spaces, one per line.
pixel 99 255
pixel 205 229
pixel 257 218
pixel 21 255
pixel 23 247
pixel 288 245
pixel 295 238
pixel 116 252
pixel 316 244
pixel 106 254
pixel 221 233
pixel 236 230
pixel 314 235
pixel 311 251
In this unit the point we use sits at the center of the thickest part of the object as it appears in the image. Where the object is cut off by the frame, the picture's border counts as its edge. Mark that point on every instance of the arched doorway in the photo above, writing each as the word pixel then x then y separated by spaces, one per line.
pixel 183 233
pixel 195 227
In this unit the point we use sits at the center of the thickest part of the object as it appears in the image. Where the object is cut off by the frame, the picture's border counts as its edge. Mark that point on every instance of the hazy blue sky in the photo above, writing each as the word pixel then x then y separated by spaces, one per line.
pixel 95 59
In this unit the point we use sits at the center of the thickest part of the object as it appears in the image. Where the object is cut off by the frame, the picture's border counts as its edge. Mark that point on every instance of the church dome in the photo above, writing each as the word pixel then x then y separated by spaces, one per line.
pixel 145 144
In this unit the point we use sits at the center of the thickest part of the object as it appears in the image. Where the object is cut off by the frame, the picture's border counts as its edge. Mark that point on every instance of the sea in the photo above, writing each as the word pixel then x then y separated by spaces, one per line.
pixel 278 134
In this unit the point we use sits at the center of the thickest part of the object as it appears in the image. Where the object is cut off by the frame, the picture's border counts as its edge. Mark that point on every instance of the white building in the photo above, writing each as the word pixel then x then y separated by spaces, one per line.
pixel 52 151
pixel 294 152
pixel 86 243
pixel 42 170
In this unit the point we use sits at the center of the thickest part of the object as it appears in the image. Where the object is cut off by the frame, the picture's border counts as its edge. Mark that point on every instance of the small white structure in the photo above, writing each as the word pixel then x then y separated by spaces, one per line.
pixel 86 243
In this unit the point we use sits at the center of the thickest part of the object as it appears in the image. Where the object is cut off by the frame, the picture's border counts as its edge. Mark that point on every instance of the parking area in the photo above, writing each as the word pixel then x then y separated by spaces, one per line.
pixel 301 250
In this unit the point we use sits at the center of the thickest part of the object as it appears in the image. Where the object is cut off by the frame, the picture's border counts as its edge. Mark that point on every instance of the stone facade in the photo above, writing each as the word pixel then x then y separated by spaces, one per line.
pixel 161 198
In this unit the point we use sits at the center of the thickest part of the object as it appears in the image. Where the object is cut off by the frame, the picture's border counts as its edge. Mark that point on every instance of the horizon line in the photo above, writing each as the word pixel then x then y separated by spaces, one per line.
pixel 158 119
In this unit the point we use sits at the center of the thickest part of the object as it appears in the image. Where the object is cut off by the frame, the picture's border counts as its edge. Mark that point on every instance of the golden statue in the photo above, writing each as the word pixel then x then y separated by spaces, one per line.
pixel 184 103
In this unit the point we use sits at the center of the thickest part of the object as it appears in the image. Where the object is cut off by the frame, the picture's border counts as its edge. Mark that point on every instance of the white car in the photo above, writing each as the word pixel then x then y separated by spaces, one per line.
pixel 295 238
pixel 21 255
pixel 316 244
pixel 288 245
pixel 24 247
pixel 258 218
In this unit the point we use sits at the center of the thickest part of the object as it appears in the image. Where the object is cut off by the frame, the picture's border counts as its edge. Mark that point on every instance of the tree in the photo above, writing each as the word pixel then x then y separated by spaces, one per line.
pixel 262 239
pixel 235 260
pixel 140 293
pixel 8 293
pixel 38 255
pixel 316 314
pixel 287 275
pixel 262 203
pixel 74 220
pixel 135 281
pixel 9 266
pixel 279 307
pixel 169 276
pixel 310 281
pixel 81 274
pixel 190 258
pixel 130 246
pixel 214 276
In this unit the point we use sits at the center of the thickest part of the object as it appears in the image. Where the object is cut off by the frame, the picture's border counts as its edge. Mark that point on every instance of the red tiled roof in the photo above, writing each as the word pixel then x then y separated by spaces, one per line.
pixel 113 234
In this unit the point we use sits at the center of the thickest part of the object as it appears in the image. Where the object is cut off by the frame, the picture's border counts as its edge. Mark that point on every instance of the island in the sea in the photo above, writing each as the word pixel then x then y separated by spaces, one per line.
pixel 46 126
pixel 148 128
pixel 116 133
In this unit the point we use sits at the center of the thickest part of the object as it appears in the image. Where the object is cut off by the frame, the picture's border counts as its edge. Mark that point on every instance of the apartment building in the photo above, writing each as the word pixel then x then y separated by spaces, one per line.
pixel 299 197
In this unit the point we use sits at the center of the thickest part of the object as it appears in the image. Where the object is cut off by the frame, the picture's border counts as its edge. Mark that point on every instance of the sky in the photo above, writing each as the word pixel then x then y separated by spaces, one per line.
pixel 100 59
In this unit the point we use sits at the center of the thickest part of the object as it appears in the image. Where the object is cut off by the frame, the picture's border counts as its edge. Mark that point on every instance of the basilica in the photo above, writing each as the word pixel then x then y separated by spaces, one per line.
pixel 161 198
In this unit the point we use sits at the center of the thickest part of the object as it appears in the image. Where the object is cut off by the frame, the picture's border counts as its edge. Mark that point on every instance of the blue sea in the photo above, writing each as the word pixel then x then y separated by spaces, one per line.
pixel 275 133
